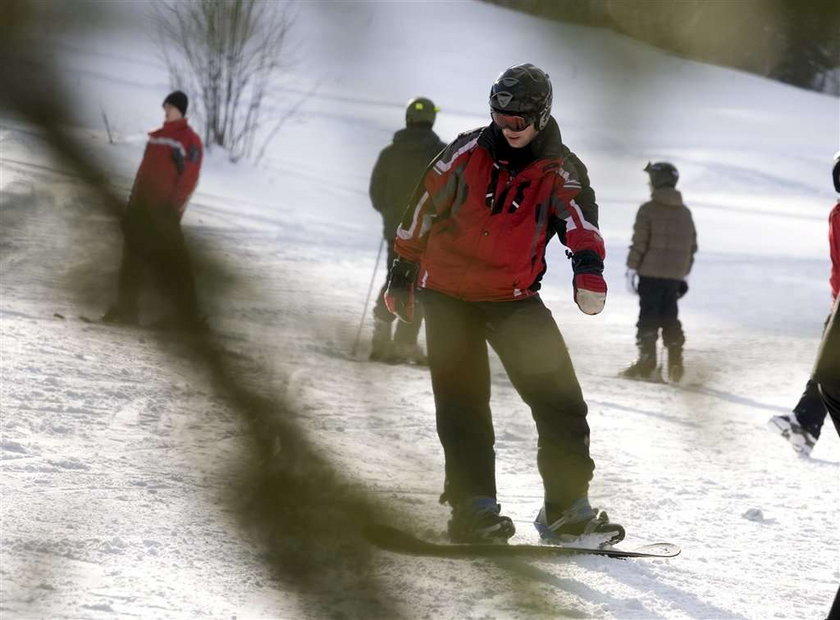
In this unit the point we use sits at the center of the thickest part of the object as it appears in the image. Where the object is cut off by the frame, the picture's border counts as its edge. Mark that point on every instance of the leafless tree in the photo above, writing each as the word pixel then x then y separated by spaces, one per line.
pixel 227 52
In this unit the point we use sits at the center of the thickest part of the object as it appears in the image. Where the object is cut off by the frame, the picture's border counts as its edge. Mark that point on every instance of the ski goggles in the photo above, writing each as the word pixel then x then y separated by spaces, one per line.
pixel 510 121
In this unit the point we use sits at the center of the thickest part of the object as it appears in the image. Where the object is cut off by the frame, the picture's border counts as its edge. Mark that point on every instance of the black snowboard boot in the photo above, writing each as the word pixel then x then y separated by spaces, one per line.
pixel 575 522
pixel 407 353
pixel 194 324
pixel 644 367
pixel 117 315
pixel 381 344
pixel 478 520
pixel 810 410
pixel 675 363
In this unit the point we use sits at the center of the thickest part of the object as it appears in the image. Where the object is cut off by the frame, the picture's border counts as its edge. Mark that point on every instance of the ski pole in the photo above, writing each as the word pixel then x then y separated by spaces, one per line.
pixel 367 299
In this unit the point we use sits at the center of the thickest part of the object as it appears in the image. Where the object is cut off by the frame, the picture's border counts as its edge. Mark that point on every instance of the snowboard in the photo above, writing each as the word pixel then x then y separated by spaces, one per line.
pixel 162 326
pixel 660 375
pixel 651 379
pixel 399 541
pixel 91 321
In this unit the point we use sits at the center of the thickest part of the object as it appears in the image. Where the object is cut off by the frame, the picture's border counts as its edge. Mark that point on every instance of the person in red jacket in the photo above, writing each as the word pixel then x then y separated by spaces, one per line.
pixel 473 243
pixel 164 183
pixel 803 426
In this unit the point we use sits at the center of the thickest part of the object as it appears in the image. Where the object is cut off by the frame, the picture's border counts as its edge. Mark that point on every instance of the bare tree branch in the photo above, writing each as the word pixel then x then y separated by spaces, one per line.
pixel 228 51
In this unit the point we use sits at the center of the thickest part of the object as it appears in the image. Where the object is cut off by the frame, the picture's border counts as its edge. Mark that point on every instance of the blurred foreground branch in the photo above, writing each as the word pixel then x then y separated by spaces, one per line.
pixel 309 517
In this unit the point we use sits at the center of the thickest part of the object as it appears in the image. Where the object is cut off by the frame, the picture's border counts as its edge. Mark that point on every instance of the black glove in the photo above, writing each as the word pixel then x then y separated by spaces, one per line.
pixel 399 294
pixel 683 289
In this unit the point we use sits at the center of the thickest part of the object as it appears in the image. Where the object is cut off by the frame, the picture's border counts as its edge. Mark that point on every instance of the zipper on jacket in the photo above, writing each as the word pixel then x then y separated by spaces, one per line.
pixel 498 205
pixel 495 207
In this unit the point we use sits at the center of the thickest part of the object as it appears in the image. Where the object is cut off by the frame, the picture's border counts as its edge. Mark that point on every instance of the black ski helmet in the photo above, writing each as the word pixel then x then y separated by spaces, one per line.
pixel 835 172
pixel 523 90
pixel 420 110
pixel 662 174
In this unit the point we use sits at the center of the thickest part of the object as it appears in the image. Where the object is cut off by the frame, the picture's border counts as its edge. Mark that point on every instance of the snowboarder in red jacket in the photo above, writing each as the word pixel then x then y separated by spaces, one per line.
pixel 803 426
pixel 162 187
pixel 473 243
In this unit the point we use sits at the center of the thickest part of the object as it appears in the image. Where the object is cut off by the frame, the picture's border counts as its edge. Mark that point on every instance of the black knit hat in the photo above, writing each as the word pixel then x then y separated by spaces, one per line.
pixel 179 100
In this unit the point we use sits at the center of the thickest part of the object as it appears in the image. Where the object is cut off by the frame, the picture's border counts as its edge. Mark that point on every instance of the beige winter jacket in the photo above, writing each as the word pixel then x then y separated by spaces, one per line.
pixel 664 237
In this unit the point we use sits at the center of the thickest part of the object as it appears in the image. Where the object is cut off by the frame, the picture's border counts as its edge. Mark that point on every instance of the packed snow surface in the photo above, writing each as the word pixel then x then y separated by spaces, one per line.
pixel 122 461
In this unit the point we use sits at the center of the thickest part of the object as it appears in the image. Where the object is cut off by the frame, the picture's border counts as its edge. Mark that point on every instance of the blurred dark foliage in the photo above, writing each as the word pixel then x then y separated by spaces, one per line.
pixel 308 515
pixel 793 41
pixel 306 512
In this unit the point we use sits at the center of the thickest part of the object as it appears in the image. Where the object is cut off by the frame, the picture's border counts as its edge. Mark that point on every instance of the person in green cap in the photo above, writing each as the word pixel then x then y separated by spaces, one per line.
pixel 399 168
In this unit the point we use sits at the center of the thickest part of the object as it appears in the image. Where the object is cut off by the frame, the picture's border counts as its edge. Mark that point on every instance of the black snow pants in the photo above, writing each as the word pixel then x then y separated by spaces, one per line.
pixel 658 310
pixel 406 333
pixel 827 371
pixel 531 348
pixel 154 241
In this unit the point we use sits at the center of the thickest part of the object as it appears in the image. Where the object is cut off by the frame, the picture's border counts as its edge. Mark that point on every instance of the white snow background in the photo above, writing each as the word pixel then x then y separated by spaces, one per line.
pixel 117 454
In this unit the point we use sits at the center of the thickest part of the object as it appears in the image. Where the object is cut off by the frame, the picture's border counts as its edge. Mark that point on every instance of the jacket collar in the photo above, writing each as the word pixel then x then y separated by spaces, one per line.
pixel 171 126
pixel 416 134
pixel 667 195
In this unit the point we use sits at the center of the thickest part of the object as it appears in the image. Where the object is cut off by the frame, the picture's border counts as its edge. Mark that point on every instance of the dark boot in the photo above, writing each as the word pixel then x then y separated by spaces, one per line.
pixel 479 520
pixel 810 410
pixel 381 343
pixel 675 363
pixel 193 324
pixel 577 520
pixel 118 315
pixel 643 367
pixel 404 349
pixel 405 353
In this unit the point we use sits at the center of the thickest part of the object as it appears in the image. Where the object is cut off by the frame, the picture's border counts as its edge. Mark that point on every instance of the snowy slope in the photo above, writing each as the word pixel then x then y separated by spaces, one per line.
pixel 122 463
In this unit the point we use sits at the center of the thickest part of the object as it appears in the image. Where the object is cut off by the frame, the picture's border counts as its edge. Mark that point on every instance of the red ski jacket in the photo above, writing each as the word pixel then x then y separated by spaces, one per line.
pixel 169 171
pixel 834 247
pixel 479 227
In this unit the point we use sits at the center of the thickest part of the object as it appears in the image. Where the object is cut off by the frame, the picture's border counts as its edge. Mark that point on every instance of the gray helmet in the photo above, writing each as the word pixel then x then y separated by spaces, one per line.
pixel 662 174
pixel 420 110
pixel 523 90
pixel 835 172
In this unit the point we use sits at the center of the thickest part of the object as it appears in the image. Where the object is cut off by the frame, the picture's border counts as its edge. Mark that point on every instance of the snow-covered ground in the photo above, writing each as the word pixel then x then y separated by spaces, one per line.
pixel 126 463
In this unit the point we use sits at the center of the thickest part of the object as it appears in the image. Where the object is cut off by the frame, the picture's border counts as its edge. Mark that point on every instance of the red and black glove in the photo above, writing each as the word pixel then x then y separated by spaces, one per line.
pixel 399 295
pixel 588 281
